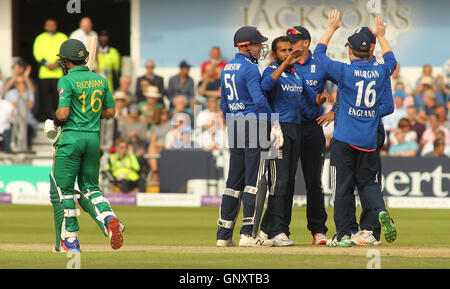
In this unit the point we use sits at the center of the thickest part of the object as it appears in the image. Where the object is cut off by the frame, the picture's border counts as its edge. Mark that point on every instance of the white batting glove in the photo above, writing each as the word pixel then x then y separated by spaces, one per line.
pixel 50 129
pixel 276 135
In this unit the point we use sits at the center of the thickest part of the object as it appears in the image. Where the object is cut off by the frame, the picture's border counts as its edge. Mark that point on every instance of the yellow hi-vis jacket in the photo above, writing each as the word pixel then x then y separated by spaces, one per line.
pixel 126 168
pixel 46 47
pixel 108 62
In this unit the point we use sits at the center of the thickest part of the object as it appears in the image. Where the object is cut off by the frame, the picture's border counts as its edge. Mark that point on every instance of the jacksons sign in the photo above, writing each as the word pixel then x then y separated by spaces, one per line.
pixel 273 17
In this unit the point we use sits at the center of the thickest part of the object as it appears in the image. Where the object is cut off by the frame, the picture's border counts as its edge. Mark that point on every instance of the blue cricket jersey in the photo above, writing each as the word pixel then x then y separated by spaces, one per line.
pixel 287 94
pixel 241 92
pixel 315 77
pixel 386 102
pixel 361 85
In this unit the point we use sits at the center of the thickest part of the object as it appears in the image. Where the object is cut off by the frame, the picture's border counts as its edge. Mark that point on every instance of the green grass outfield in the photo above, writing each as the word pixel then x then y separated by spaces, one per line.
pixel 184 238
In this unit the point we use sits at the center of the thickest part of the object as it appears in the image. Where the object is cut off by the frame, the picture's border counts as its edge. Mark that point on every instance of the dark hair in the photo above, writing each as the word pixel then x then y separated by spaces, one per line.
pixel 279 39
pixel 404 121
pixel 51 19
pixel 361 54
pixel 438 142
pixel 78 62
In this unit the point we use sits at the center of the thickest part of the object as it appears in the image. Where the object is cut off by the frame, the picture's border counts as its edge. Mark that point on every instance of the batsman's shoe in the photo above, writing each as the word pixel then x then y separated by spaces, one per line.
pixel 281 240
pixel 390 232
pixel 226 243
pixel 364 237
pixel 320 239
pixel 263 236
pixel 67 246
pixel 249 241
pixel 344 242
pixel 114 233
pixel 333 241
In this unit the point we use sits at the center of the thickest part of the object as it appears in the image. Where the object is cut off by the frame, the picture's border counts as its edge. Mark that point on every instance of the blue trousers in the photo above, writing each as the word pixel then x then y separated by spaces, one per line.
pixel 351 167
pixel 277 218
pixel 369 221
pixel 247 146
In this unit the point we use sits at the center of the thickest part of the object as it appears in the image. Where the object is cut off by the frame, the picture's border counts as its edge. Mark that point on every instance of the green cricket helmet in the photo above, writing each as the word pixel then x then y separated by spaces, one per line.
pixel 73 49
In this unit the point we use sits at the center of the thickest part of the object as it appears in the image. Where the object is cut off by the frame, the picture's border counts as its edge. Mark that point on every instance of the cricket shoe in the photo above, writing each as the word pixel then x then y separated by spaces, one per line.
pixel 281 240
pixel 390 232
pixel 364 237
pixel 226 243
pixel 249 241
pixel 320 239
pixel 69 247
pixel 114 232
pixel 344 242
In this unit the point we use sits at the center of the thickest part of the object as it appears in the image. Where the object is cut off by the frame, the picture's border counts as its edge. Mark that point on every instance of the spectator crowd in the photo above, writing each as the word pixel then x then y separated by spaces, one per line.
pixel 186 116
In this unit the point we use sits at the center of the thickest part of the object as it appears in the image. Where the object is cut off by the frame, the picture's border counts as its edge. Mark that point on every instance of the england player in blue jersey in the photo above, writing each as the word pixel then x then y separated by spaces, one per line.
pixel 353 149
pixel 312 141
pixel 285 89
pixel 249 123
pixel 369 224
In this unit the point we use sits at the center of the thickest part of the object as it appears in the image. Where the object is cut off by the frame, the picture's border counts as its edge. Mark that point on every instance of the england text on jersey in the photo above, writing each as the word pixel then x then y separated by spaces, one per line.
pixel 236 106
pixel 361 112
pixel 89 84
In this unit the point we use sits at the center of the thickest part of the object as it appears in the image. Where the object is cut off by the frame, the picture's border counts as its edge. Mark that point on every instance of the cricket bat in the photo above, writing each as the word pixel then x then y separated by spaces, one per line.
pixel 92 49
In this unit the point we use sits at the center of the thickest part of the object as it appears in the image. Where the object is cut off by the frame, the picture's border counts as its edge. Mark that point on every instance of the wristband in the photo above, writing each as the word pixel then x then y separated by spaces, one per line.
pixel 57 122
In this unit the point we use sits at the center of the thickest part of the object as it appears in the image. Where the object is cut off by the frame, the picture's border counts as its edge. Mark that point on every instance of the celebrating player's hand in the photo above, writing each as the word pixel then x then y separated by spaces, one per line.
pixel 325 119
pixel 293 57
pixel 380 27
pixel 334 21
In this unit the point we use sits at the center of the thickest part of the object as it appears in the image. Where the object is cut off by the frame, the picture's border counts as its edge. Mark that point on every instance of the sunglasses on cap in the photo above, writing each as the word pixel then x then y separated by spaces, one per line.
pixel 293 31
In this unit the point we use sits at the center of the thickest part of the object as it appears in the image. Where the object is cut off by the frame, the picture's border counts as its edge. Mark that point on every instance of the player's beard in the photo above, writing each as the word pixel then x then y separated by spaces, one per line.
pixel 279 61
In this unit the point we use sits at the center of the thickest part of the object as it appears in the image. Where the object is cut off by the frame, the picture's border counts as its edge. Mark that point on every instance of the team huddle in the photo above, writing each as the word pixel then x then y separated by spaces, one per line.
pixel 274 120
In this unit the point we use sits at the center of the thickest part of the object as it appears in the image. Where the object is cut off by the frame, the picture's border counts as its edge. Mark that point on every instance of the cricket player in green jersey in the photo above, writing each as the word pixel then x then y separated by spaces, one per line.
pixel 84 98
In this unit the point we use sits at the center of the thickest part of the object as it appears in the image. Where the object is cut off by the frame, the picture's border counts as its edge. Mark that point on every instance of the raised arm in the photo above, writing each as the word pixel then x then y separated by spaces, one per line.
pixel 294 57
pixel 331 67
pixel 334 22
pixel 379 32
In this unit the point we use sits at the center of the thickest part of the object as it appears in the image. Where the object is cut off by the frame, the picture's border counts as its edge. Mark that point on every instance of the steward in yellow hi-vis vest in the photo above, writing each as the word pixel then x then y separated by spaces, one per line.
pixel 45 48
pixel 123 168
pixel 108 61
pixel 84 98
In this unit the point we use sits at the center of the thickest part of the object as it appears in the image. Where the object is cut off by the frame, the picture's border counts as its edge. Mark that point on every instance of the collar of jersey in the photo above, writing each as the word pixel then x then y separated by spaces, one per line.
pixel 360 60
pixel 79 68
pixel 242 55
pixel 307 59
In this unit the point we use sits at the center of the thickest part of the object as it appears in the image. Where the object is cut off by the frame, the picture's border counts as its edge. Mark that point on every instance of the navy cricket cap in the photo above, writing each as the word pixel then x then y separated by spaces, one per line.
pixel 297 33
pixel 359 42
pixel 366 31
pixel 248 35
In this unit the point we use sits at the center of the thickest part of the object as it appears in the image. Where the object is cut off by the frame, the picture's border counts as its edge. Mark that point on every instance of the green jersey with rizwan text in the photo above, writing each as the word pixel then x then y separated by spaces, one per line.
pixel 86 93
